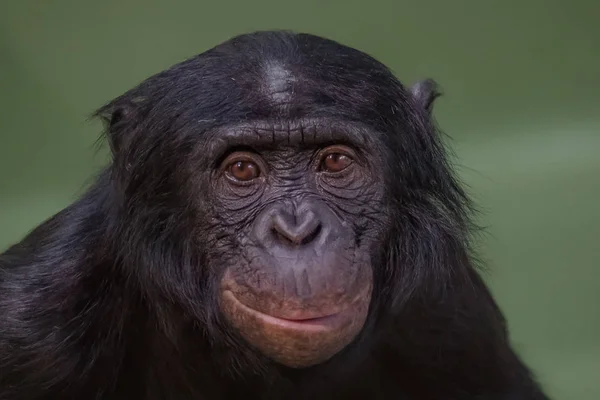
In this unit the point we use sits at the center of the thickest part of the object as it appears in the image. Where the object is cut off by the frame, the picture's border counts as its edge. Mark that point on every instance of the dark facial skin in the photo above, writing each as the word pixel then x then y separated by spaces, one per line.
pixel 301 286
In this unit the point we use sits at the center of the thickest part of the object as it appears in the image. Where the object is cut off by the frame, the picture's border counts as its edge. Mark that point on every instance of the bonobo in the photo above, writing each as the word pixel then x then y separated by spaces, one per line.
pixel 278 221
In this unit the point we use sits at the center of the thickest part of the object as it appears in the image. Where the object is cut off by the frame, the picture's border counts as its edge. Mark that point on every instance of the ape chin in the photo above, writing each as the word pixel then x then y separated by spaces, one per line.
pixel 278 221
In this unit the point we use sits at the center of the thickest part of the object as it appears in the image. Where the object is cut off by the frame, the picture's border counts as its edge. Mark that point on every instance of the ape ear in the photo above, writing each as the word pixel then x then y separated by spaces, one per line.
pixel 120 117
pixel 424 94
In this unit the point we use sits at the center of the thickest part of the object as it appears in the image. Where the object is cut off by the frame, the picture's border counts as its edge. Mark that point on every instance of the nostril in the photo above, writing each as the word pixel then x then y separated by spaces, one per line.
pixel 311 235
pixel 279 236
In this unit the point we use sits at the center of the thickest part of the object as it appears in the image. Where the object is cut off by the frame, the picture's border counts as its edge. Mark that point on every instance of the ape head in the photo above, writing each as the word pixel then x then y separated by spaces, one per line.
pixel 284 192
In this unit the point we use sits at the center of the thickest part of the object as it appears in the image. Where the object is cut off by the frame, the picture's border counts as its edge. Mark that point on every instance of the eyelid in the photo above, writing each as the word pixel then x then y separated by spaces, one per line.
pixel 231 151
pixel 338 149
pixel 238 156
pixel 334 149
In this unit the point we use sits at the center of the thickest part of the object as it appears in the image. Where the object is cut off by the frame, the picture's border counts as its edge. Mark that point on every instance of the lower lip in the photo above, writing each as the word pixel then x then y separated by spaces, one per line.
pixel 320 324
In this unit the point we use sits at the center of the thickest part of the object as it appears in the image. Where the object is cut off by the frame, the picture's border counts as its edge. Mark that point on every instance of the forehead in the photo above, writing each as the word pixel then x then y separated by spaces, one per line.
pixel 278 83
pixel 271 89
pixel 284 76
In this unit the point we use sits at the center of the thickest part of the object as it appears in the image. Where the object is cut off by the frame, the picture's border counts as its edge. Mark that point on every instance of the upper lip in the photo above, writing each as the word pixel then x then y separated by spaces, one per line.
pixel 298 319
pixel 298 315
pixel 306 318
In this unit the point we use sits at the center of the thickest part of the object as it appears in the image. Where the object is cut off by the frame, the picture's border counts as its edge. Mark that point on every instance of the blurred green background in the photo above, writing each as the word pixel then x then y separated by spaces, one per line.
pixel 521 82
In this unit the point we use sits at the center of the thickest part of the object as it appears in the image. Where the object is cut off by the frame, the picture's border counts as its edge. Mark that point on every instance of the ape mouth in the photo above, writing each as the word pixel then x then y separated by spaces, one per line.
pixel 307 322
pixel 297 329
pixel 298 339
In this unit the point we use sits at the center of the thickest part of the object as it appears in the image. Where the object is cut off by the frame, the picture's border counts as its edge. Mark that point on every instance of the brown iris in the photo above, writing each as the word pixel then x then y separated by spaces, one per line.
pixel 336 162
pixel 244 170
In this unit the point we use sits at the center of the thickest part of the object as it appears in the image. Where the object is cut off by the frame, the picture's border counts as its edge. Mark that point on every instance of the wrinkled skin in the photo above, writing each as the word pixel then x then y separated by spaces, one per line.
pixel 299 286
pixel 279 221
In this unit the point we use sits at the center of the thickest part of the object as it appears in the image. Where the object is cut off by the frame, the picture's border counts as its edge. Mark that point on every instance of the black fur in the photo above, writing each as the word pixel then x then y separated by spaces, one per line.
pixel 114 297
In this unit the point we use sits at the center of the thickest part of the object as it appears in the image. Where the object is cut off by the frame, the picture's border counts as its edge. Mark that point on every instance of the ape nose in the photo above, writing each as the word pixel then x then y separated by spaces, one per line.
pixel 296 229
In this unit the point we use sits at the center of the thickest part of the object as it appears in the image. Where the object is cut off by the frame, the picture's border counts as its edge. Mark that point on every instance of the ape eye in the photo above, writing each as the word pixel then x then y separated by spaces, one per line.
pixel 243 170
pixel 335 162
pixel 242 167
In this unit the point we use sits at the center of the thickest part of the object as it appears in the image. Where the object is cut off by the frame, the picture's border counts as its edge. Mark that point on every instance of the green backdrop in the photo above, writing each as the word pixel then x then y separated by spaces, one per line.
pixel 521 82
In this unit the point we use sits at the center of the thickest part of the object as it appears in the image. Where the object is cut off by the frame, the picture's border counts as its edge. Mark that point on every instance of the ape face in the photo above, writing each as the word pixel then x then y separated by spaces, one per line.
pixel 300 217
pixel 269 176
